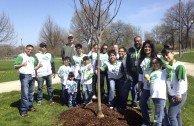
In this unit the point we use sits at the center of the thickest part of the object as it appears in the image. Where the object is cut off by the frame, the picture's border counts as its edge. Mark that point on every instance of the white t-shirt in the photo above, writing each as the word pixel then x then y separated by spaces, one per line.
pixel 114 70
pixel 85 73
pixel 78 62
pixel 63 73
pixel 177 87
pixel 146 69
pixel 158 84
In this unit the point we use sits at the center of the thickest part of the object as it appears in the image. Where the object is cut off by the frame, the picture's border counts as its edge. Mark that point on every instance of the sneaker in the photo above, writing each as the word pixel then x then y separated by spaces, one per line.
pixel 51 101
pixel 145 125
pixel 133 105
pixel 94 97
pixel 89 103
pixel 39 102
pixel 24 114
pixel 111 107
pixel 32 109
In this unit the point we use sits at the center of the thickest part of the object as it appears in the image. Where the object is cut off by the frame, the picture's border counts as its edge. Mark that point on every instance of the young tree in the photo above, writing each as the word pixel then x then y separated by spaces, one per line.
pixel 97 13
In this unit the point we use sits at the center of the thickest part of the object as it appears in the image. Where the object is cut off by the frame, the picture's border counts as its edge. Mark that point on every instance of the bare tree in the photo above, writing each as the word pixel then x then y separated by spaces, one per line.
pixel 97 13
pixel 119 33
pixel 171 22
pixel 6 29
pixel 53 35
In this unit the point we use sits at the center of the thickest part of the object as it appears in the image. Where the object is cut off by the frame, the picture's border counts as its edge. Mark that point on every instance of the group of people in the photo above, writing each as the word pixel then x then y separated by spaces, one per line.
pixel 41 68
pixel 139 70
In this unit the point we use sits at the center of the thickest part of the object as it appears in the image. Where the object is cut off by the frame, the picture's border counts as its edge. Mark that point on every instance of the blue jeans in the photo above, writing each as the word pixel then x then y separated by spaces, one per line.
pixel 144 105
pixel 71 99
pixel 87 91
pixel 113 85
pixel 48 80
pixel 174 111
pixel 27 92
pixel 104 74
pixel 78 94
pixel 64 94
pixel 124 88
pixel 160 115
pixel 134 90
pixel 94 81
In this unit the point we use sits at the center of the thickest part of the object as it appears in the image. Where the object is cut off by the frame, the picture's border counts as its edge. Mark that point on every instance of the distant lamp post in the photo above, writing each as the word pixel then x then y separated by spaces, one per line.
pixel 180 25
pixel 191 44
pixel 22 45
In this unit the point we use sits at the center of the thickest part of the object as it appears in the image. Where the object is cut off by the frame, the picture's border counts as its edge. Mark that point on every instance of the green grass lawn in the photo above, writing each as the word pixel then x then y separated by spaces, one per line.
pixel 186 57
pixel 47 114
pixel 8 73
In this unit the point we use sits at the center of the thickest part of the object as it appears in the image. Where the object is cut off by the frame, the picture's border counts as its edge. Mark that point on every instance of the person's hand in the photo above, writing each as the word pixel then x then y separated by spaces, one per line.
pixel 54 75
pixel 40 65
pixel 178 100
pixel 89 67
pixel 24 64
pixel 36 78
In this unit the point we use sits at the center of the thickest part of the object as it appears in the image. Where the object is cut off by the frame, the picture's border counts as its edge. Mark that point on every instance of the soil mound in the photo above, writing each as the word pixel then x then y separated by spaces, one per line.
pixel 86 116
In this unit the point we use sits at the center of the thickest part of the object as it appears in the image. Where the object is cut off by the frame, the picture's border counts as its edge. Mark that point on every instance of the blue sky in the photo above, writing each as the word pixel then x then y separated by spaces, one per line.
pixel 28 16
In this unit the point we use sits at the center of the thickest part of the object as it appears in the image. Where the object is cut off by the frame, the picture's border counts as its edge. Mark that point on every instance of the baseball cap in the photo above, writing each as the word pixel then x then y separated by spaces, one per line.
pixel 70 35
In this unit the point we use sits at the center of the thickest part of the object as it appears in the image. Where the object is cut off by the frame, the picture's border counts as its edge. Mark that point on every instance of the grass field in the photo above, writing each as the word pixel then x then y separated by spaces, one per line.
pixel 186 57
pixel 8 73
pixel 47 114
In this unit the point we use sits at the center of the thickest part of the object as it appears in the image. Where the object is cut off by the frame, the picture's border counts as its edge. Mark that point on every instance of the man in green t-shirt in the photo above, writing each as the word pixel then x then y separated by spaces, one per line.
pixel 69 48
pixel 25 64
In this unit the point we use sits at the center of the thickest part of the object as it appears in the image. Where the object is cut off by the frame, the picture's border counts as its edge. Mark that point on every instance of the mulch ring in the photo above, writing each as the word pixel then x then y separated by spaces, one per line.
pixel 86 116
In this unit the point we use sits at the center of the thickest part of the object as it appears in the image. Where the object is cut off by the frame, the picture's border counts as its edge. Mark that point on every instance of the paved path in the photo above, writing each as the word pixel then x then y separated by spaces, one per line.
pixel 15 85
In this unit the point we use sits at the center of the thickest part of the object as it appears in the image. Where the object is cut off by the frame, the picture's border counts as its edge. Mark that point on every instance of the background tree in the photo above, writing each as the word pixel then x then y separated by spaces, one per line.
pixel 97 13
pixel 119 33
pixel 53 35
pixel 6 29
pixel 171 22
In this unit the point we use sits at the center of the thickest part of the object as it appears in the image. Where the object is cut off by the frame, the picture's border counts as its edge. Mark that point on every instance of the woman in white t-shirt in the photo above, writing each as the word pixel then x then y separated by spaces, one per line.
pixel 147 53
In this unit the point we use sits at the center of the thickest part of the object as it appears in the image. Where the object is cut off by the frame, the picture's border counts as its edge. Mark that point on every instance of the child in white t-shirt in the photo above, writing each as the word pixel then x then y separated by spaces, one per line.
pixel 72 89
pixel 157 80
pixel 177 84
pixel 86 80
pixel 63 75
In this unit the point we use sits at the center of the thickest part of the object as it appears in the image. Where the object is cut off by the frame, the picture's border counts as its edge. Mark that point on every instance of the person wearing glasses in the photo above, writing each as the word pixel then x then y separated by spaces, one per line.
pixel 157 82
pixel 125 85
pixel 103 58
pixel 93 57
pixel 25 63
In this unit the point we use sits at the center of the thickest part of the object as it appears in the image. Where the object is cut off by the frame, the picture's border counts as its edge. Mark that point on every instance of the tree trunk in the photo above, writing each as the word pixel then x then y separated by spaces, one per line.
pixel 99 111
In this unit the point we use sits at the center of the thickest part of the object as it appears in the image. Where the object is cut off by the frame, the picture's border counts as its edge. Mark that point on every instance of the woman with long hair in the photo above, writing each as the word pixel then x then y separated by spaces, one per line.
pixel 148 52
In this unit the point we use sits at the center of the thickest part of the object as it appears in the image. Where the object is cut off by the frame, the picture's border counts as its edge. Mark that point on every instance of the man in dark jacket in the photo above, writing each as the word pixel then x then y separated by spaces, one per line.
pixel 133 55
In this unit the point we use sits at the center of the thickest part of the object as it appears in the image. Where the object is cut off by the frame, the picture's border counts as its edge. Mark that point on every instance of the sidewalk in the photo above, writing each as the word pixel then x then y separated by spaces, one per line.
pixel 16 86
